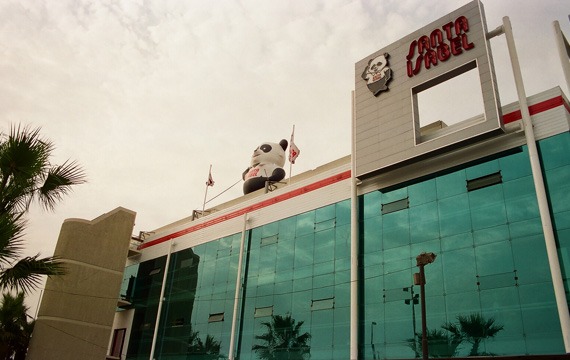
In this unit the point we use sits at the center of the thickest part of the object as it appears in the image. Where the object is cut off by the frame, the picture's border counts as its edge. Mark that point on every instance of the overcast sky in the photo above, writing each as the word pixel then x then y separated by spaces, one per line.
pixel 145 95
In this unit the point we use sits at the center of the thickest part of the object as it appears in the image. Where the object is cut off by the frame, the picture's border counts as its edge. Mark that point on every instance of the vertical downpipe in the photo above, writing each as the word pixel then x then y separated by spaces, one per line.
pixel 541 196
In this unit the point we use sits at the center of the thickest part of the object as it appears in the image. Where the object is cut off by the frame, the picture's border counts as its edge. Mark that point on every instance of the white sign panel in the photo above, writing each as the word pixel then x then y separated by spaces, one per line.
pixel 389 82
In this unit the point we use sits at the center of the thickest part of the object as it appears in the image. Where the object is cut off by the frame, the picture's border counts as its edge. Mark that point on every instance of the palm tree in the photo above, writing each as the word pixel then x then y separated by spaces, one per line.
pixel 474 328
pixel 207 350
pixel 440 344
pixel 27 176
pixel 283 340
pixel 15 329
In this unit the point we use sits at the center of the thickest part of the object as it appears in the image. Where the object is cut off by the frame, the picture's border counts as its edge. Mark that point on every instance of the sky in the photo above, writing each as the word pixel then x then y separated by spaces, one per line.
pixel 146 95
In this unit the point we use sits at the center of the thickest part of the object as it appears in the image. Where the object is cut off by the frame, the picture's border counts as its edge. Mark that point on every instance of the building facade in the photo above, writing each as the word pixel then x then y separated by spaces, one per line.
pixel 323 267
pixel 479 216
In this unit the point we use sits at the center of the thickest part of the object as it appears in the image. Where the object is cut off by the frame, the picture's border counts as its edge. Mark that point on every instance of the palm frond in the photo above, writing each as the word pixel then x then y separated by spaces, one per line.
pixel 11 237
pixel 26 273
pixel 58 183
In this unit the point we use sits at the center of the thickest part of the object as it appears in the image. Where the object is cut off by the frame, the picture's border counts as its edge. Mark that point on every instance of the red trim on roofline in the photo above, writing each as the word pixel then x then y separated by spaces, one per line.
pixel 507 118
pixel 537 108
pixel 260 205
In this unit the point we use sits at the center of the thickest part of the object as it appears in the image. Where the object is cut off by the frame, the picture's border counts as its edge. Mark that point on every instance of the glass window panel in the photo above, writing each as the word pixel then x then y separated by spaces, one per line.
pixel 322 304
pixel 539 310
pixel 263 312
pixel 554 151
pixel 343 212
pixel 304 251
pixel 487 207
pixel 342 242
pixel 305 223
pixel 324 246
pixel 564 253
pixel 372 229
pixel 525 228
pixel 424 223
pixel 422 192
pixel 530 259
pixel 451 184
pixel 303 279
pixel 216 317
pixel 324 225
pixel 394 206
pixel 270 229
pixel 461 304
pixel 323 286
pixel 268 240
pixel 396 229
pixel 562 220
pixel 267 258
pixel 495 258
pixel 459 270
pixel 394 195
pixel 287 228
pixel 490 235
pixel 454 215
pixel 559 188
pixel 520 199
pixel 458 241
pixel 484 181
pixel 283 303
pixel 370 203
pixel 325 213
pixel 285 256
pixel 326 267
pixel 515 166
pixel 483 169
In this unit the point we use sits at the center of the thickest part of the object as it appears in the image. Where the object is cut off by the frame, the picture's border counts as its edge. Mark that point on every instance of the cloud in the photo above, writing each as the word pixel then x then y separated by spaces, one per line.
pixel 146 95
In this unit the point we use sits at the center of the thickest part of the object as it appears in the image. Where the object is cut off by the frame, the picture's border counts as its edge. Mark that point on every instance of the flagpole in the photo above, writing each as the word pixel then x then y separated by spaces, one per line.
pixel 206 192
pixel 290 163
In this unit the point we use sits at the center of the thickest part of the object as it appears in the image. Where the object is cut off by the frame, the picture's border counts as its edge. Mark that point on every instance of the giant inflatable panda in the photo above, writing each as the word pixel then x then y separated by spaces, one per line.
pixel 267 164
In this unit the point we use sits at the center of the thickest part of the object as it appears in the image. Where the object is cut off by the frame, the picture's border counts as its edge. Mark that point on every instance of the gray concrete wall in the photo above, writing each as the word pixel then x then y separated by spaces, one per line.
pixel 76 314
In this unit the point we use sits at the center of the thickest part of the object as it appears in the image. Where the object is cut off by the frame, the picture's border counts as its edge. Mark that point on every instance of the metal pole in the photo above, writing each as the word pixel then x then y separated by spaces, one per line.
pixel 542 199
pixel 423 305
pixel 160 301
pixel 231 351
pixel 563 51
pixel 354 248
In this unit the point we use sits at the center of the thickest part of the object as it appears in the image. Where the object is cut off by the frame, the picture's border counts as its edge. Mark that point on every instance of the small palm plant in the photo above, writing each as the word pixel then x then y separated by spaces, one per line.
pixel 474 328
pixel 283 340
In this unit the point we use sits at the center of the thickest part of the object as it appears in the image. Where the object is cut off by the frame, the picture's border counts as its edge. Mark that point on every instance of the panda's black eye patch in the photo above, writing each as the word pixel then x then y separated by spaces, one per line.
pixel 265 148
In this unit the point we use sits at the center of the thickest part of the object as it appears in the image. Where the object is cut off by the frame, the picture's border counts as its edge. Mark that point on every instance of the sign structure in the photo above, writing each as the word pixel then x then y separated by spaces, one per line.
pixel 387 126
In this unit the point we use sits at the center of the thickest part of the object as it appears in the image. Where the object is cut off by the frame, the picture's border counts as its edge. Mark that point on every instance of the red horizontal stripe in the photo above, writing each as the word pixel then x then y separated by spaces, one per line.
pixel 536 108
pixel 260 205
pixel 507 118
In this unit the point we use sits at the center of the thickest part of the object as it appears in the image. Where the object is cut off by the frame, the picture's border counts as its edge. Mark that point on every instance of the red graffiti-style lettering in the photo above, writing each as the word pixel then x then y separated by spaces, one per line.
pixel 430 50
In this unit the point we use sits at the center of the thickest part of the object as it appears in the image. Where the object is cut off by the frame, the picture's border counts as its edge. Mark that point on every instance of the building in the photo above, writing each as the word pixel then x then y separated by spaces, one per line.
pixel 324 265
pixel 76 313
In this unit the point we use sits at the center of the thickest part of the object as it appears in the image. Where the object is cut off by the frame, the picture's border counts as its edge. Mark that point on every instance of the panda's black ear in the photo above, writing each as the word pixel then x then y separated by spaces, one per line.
pixel 283 144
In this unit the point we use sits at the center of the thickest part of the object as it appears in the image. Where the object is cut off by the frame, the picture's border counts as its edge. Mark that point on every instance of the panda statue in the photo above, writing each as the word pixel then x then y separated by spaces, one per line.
pixel 267 164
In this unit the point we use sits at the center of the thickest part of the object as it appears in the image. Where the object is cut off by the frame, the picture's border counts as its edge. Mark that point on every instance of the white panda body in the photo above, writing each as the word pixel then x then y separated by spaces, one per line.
pixel 267 164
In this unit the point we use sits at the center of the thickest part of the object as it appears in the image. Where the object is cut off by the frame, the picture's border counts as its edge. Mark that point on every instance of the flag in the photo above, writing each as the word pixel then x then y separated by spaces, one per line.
pixel 210 181
pixel 293 149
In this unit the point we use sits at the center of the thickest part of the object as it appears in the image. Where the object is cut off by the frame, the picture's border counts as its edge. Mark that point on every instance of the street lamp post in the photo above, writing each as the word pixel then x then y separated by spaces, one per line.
pixel 372 339
pixel 420 279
